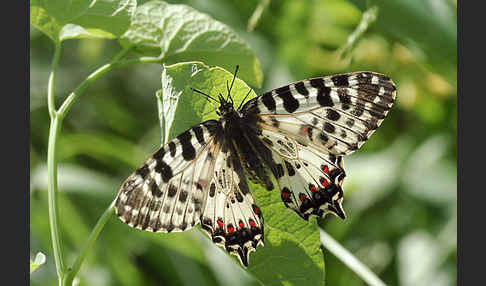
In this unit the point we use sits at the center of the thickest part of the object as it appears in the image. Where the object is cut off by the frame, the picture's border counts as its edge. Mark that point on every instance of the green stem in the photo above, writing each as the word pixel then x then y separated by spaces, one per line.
pixel 368 18
pixel 52 79
pixel 52 191
pixel 349 260
pixel 52 167
pixel 66 277
pixel 69 277
pixel 255 17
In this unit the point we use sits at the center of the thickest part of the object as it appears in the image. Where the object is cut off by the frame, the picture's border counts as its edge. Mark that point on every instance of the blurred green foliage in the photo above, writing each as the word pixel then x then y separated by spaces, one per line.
pixel 400 192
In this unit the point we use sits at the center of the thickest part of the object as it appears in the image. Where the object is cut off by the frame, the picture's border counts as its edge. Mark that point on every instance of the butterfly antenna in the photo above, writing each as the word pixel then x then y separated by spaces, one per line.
pixel 232 82
pixel 205 94
pixel 244 99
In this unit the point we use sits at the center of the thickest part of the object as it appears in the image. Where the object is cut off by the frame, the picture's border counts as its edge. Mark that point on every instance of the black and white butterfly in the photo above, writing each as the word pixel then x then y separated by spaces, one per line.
pixel 291 139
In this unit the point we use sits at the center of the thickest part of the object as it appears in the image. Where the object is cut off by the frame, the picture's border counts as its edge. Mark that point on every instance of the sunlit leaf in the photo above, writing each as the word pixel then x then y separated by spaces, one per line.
pixel 61 20
pixel 179 33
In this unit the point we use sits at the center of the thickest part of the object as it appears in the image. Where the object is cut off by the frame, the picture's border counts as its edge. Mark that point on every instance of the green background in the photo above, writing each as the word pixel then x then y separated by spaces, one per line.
pixel 400 190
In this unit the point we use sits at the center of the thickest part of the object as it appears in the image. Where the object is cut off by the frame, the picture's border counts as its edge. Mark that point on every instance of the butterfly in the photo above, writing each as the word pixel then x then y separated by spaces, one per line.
pixel 292 139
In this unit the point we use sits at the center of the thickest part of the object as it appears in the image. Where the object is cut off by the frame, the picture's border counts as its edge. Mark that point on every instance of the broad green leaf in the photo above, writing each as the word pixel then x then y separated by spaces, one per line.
pixel 61 20
pixel 179 33
pixel 189 108
pixel 39 259
pixel 292 245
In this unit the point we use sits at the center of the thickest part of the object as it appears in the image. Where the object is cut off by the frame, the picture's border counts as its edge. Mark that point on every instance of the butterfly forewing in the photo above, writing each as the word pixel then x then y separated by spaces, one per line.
pixel 166 193
pixel 334 114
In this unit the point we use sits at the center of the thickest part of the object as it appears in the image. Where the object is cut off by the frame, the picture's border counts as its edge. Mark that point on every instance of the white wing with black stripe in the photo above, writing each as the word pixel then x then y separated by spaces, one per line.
pixel 309 125
pixel 167 192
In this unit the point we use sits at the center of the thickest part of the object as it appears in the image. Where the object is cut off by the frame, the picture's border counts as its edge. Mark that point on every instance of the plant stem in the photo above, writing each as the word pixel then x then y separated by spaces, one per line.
pixel 52 79
pixel 349 260
pixel 68 280
pixel 66 276
pixel 52 190
pixel 255 17
pixel 52 167
pixel 368 18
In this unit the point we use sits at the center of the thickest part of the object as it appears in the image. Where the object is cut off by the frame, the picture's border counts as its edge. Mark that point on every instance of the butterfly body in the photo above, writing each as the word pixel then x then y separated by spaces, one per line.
pixel 291 139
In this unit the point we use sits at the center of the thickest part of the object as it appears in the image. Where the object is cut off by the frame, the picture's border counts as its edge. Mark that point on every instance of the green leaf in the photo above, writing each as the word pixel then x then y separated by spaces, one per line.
pixel 40 259
pixel 190 108
pixel 179 33
pixel 61 20
pixel 290 242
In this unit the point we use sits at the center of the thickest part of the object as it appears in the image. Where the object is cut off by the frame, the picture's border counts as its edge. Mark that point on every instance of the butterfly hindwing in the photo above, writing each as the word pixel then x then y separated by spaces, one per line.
pixel 231 217
pixel 309 181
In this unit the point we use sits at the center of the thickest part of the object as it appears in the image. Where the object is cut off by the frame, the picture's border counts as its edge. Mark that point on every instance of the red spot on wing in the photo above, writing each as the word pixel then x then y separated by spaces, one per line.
pixel 302 197
pixel 252 223
pixel 304 130
pixel 230 229
pixel 220 223
pixel 324 182
pixel 325 169
pixel 285 195
pixel 312 188
pixel 241 224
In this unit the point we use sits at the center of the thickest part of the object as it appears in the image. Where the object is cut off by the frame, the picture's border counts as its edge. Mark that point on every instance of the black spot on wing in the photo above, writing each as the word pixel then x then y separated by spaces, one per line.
pixel 143 171
pixel 269 101
pixel 343 96
pixel 300 87
pixel 350 122
pixel 172 148
pixel 323 137
pixel 329 128
pixel 188 151
pixel 290 168
pixel 183 196
pixel 333 115
pixel 290 103
pixel 155 189
pixel 164 170
pixel 212 190
pixel 323 92
pixel 172 191
pixel 199 134
pixel 278 171
pixel 340 80
pixel 358 111
pixel 268 141
pixel 159 154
